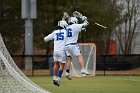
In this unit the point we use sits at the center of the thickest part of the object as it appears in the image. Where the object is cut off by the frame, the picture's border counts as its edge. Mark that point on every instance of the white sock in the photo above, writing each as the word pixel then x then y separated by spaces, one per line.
pixel 58 78
pixel 54 77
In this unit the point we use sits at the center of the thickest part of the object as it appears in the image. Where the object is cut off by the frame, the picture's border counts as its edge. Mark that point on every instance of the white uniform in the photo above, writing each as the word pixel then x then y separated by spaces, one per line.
pixel 59 37
pixel 71 47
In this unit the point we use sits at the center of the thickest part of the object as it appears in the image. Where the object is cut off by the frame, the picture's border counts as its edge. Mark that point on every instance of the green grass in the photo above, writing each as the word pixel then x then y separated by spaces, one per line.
pixel 97 84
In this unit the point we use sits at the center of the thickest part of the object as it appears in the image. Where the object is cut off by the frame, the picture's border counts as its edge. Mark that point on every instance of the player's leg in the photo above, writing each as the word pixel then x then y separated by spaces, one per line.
pixel 69 60
pixel 78 54
pixel 81 62
pixel 68 65
pixel 60 71
pixel 55 72
pixel 62 60
pixel 59 74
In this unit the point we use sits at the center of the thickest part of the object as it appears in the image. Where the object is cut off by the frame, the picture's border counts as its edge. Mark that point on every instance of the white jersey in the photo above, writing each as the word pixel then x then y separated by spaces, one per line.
pixel 59 37
pixel 71 47
pixel 73 32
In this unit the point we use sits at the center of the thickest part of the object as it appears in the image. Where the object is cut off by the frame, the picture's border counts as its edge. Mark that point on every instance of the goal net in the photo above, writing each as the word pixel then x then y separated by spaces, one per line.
pixel 12 79
pixel 88 51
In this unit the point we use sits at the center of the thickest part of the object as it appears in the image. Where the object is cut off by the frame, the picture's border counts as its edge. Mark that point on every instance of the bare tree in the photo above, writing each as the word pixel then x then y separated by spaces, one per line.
pixel 126 31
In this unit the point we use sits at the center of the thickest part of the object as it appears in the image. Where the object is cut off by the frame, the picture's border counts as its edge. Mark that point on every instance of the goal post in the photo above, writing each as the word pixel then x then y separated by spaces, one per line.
pixel 12 79
pixel 88 51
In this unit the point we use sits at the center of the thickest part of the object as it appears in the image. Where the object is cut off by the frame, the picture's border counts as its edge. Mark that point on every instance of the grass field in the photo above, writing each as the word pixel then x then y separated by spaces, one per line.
pixel 97 84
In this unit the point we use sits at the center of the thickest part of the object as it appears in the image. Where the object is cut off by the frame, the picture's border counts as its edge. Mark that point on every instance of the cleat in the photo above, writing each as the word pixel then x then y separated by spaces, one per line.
pixel 68 76
pixel 56 82
pixel 84 71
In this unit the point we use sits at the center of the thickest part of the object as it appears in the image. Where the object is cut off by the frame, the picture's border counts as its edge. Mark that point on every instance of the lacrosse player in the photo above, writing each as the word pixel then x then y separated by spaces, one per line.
pixel 59 55
pixel 71 46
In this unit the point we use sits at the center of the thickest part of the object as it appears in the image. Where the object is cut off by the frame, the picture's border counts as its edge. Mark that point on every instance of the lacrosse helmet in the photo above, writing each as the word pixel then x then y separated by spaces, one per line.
pixel 73 20
pixel 62 24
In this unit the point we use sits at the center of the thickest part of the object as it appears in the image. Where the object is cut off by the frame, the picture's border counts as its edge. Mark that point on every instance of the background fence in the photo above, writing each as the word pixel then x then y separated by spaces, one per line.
pixel 105 64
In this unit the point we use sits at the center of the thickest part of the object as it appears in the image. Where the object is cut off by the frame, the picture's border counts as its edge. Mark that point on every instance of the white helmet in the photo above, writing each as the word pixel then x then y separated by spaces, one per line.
pixel 62 23
pixel 73 20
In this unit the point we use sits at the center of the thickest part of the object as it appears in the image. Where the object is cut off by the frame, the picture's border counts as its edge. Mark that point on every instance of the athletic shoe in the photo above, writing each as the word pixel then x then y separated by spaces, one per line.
pixel 68 76
pixel 84 71
pixel 56 82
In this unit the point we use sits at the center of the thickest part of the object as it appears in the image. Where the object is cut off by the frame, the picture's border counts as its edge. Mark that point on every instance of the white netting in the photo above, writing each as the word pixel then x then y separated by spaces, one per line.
pixel 88 51
pixel 12 79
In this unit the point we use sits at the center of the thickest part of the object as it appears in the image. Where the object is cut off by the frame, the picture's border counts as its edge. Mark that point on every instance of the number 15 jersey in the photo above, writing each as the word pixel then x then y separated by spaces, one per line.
pixel 59 37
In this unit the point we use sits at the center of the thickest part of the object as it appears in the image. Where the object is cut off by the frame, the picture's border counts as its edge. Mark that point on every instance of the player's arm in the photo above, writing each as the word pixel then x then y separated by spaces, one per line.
pixel 82 26
pixel 85 24
pixel 49 37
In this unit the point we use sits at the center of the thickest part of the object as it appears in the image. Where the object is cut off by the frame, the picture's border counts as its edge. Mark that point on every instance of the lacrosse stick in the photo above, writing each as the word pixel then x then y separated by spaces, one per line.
pixel 65 16
pixel 79 15
pixel 100 25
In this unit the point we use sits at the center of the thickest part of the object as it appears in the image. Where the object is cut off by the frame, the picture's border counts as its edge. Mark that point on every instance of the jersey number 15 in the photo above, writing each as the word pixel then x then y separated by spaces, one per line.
pixel 60 36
